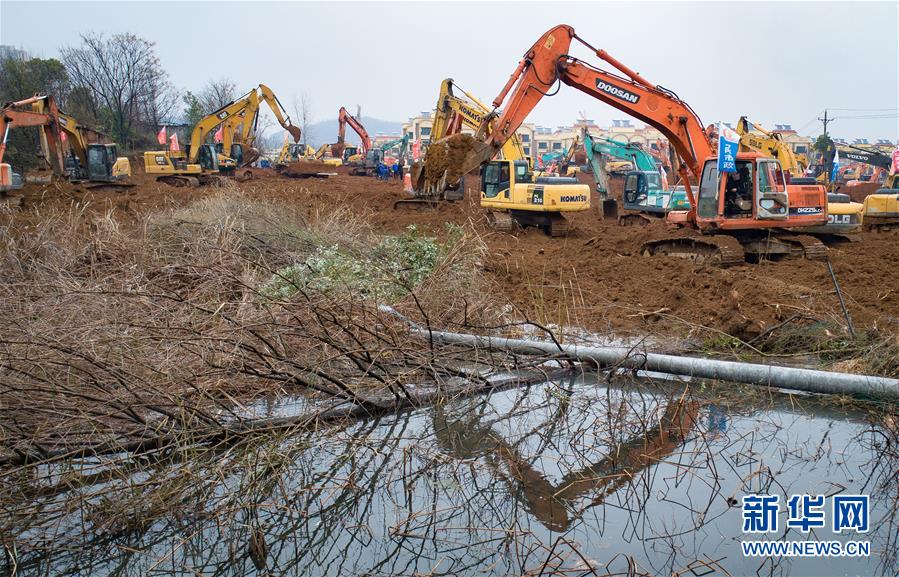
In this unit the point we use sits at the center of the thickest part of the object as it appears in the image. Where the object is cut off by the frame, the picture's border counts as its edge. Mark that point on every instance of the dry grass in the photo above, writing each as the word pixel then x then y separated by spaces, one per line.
pixel 116 331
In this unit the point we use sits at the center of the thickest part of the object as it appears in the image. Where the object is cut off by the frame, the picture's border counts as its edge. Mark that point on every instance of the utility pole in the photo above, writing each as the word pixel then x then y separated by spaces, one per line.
pixel 825 120
pixel 828 165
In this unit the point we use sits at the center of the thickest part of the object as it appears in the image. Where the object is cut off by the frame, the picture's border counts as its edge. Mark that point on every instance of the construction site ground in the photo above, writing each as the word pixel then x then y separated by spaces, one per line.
pixel 595 278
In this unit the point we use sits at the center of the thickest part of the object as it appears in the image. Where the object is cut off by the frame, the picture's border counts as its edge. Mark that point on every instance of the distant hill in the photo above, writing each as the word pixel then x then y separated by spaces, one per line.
pixel 326 130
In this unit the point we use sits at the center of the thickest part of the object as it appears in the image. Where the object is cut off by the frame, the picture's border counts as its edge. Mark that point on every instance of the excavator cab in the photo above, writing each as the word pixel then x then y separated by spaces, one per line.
pixel 105 165
pixel 756 190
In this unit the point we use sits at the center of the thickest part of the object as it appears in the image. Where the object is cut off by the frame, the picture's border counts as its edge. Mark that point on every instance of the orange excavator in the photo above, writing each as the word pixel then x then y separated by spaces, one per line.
pixel 338 149
pixel 750 212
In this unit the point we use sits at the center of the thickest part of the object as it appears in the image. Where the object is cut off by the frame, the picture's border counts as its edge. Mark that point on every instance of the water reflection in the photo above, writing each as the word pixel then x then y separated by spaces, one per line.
pixel 570 478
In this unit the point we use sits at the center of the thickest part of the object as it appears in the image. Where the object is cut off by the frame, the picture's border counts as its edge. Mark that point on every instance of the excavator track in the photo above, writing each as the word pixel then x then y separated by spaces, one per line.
pixel 179 181
pixel 558 225
pixel 500 221
pixel 633 219
pixel 720 250
pixel 805 245
pixel 417 204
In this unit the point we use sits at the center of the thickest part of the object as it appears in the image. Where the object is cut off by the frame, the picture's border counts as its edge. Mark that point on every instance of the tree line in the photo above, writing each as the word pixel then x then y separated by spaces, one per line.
pixel 114 84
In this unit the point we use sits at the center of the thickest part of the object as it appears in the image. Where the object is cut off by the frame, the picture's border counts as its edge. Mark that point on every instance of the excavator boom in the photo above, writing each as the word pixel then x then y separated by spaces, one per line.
pixel 344 118
pixel 548 62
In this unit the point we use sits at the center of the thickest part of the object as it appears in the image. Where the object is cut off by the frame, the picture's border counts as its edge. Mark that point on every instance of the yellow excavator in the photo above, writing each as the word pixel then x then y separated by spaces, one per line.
pixel 882 207
pixel 202 163
pixel 509 189
pixel 97 163
pixel 239 131
pixel 843 215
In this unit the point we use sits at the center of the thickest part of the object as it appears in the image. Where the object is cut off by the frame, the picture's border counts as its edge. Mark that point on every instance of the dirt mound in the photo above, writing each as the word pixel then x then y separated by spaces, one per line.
pixel 302 167
pixel 447 156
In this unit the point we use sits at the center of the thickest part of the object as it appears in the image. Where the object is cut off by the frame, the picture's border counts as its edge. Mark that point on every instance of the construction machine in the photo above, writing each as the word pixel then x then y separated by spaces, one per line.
pixel 339 149
pixel 450 115
pixel 239 130
pixel 97 163
pixel 292 152
pixel 882 207
pixel 646 189
pixel 770 144
pixel 201 163
pixel 751 211
pixel 453 112
pixel 844 216
pixel 402 143
pixel 512 194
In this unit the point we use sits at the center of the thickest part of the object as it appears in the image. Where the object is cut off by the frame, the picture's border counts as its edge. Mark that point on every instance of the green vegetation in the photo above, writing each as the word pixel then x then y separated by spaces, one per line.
pixel 386 272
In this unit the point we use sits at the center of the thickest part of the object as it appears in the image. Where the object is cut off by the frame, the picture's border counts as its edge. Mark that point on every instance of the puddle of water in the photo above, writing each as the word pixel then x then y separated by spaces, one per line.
pixel 571 478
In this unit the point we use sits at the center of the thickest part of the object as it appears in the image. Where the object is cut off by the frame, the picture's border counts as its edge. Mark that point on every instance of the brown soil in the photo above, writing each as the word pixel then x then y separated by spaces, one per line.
pixel 594 278
pixel 307 167
pixel 447 156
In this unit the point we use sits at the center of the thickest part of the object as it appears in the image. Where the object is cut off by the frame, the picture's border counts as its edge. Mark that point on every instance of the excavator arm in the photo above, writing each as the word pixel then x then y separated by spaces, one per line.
pixel 769 144
pixel 280 114
pixel 211 121
pixel 548 62
pixel 869 157
pixel 454 111
pixel 344 118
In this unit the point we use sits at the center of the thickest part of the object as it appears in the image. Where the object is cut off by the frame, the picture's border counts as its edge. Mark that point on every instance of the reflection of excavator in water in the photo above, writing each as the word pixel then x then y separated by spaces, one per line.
pixel 202 163
pixel 97 163
pixel 239 130
pixel 552 504
pixel 510 190
pixel 750 211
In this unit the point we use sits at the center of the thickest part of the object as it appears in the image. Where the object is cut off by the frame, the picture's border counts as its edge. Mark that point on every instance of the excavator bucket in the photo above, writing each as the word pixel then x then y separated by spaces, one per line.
pixel 295 132
pixel 610 209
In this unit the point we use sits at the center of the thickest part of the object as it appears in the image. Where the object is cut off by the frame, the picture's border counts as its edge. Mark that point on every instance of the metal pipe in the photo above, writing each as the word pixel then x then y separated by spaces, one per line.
pixel 809 380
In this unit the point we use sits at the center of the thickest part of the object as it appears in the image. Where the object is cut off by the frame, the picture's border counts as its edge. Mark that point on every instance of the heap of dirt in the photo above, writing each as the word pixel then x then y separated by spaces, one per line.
pixel 303 167
pixel 447 156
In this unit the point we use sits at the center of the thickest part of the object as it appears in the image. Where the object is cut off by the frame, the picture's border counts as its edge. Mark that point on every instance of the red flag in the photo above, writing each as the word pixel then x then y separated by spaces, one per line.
pixel 416 149
pixel 220 133
pixel 63 136
pixel 161 137
pixel 896 160
pixel 173 143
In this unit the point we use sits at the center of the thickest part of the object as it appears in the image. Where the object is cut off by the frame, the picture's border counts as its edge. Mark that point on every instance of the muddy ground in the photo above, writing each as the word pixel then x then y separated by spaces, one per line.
pixel 595 278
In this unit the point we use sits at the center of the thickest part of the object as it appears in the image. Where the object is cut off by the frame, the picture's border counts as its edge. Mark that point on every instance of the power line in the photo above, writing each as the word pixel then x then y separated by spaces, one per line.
pixel 863 109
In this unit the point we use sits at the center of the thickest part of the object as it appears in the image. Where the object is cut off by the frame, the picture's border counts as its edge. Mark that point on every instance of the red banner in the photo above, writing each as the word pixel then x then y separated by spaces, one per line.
pixel 896 161
pixel 173 143
pixel 161 137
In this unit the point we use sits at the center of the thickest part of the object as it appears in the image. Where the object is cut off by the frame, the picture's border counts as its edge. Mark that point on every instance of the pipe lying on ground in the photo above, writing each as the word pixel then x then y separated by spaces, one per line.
pixel 810 380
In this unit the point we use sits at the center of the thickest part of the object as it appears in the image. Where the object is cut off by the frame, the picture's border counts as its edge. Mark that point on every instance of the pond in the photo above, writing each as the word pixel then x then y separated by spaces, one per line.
pixel 578 477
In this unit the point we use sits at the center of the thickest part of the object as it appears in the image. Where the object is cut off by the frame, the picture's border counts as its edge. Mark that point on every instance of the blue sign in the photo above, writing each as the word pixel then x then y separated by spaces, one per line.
pixel 728 145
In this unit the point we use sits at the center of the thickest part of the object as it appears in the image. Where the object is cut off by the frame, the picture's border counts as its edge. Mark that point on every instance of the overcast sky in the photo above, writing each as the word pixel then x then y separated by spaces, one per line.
pixel 775 62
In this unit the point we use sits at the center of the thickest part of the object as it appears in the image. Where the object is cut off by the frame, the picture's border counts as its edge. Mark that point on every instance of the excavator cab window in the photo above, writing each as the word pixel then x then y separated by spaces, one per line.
pixel 208 158
pixel 738 191
pixel 494 178
pixel 707 204
pixel 522 171
pixel 99 163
